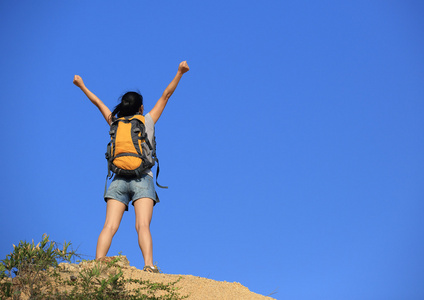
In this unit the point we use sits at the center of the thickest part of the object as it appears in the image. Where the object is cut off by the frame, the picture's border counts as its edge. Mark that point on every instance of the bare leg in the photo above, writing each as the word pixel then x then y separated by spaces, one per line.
pixel 143 215
pixel 114 212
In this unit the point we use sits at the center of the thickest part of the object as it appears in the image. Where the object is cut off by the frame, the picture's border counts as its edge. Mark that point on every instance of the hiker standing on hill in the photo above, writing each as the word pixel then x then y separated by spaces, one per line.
pixel 139 190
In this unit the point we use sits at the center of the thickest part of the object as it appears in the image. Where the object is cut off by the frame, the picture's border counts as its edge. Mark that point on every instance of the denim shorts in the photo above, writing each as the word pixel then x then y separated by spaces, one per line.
pixel 130 189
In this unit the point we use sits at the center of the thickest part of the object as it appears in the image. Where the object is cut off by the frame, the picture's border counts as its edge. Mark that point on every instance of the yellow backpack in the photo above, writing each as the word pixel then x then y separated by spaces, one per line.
pixel 129 152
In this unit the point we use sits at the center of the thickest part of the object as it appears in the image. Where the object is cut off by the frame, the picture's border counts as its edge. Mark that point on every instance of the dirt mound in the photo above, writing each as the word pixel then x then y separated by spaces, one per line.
pixel 193 286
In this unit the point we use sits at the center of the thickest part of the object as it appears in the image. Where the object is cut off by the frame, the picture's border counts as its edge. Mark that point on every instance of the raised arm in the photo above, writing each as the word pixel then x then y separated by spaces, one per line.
pixel 157 110
pixel 107 114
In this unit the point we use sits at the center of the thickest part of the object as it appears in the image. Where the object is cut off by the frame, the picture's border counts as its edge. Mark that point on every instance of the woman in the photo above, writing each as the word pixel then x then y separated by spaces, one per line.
pixel 140 191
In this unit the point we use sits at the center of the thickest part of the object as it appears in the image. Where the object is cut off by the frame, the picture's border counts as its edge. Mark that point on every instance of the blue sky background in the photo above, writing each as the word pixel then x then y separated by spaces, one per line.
pixel 293 148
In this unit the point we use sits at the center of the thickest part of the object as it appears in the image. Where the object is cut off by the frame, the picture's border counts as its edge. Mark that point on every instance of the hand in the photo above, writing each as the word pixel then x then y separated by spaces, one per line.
pixel 183 67
pixel 78 81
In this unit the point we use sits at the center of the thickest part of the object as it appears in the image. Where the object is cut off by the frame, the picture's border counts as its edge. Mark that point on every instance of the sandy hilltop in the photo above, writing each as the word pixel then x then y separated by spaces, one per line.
pixel 193 286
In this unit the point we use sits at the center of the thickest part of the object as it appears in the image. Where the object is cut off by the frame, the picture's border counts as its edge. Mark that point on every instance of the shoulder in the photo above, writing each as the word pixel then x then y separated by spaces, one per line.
pixel 149 121
pixel 148 118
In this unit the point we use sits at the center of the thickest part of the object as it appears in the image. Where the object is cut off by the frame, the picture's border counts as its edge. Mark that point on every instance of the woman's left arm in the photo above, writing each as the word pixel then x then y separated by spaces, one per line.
pixel 157 110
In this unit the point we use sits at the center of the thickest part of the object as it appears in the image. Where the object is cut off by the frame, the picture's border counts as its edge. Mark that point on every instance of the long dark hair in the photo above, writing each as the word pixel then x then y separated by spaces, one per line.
pixel 129 105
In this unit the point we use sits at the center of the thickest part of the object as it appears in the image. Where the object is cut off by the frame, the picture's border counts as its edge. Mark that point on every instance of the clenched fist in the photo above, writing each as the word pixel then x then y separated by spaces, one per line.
pixel 183 67
pixel 78 81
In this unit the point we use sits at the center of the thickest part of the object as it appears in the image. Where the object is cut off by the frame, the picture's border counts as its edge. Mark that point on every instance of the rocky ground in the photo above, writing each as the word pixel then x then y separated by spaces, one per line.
pixel 193 286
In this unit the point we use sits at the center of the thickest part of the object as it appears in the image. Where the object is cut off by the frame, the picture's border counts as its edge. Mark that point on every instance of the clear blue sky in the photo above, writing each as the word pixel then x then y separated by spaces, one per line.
pixel 293 149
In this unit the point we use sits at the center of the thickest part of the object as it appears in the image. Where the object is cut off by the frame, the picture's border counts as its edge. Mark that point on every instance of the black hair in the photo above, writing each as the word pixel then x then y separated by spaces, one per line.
pixel 129 105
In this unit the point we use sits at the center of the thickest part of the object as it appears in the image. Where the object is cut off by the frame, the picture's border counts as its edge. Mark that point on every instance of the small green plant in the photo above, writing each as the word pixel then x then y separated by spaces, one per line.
pixel 28 265
pixel 32 272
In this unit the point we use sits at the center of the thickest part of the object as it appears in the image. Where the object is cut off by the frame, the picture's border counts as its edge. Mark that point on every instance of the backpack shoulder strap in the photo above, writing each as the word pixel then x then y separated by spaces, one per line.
pixel 137 117
pixel 157 174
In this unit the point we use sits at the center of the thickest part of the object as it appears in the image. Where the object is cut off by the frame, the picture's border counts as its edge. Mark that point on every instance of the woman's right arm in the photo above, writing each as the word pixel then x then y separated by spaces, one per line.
pixel 107 114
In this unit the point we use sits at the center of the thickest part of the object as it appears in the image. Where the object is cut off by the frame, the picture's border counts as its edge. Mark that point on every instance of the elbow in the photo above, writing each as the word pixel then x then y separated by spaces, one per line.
pixel 165 96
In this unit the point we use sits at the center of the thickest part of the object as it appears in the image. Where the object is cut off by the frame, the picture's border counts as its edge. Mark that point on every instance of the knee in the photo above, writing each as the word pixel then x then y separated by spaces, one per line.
pixel 142 226
pixel 112 228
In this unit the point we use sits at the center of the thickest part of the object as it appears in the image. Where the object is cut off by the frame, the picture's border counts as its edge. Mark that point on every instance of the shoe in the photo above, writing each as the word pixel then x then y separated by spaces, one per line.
pixel 151 269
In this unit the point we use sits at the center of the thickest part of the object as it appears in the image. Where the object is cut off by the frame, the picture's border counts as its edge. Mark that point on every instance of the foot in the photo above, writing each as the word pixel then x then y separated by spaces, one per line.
pixel 105 259
pixel 150 269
